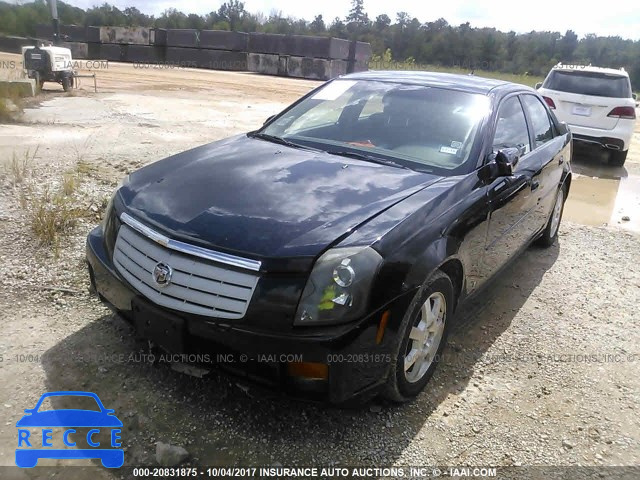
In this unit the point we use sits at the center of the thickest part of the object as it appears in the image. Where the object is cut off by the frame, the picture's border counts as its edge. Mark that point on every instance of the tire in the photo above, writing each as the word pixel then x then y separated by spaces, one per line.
pixel 67 83
pixel 617 157
pixel 550 233
pixel 403 383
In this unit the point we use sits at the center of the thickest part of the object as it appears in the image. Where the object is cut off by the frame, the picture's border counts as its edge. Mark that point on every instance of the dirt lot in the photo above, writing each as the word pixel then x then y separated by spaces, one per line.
pixel 543 370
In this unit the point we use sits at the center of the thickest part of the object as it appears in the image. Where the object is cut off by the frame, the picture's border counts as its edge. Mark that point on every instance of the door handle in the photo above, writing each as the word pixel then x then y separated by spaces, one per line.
pixel 534 185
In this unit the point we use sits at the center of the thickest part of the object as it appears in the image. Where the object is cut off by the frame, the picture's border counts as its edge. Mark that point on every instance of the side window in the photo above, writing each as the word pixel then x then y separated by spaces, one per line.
pixel 542 128
pixel 511 129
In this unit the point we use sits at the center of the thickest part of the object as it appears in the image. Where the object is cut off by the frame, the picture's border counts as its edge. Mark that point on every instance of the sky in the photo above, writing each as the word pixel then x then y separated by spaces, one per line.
pixel 622 17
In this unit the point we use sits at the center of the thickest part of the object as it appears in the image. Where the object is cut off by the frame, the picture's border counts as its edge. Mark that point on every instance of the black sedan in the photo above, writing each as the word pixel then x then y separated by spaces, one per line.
pixel 327 252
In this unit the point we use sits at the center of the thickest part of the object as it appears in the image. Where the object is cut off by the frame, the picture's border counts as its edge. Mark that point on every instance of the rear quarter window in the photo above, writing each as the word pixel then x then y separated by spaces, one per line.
pixel 589 83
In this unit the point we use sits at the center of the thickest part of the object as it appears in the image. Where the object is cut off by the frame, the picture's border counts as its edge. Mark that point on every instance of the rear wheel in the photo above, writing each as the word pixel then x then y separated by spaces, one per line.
pixel 550 233
pixel 422 338
pixel 67 83
pixel 617 157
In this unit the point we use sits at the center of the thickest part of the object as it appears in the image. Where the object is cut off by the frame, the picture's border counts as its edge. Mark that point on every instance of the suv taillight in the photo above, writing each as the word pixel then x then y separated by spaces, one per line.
pixel 623 112
pixel 549 102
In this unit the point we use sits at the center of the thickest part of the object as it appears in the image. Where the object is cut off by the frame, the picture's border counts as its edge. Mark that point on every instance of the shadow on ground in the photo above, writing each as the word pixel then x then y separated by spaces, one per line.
pixel 220 423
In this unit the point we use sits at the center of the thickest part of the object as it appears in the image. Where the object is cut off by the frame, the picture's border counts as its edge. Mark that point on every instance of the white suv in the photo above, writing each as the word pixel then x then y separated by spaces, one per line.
pixel 597 104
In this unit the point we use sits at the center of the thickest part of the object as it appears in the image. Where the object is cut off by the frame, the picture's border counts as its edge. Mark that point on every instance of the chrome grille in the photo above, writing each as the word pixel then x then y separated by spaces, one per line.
pixel 196 286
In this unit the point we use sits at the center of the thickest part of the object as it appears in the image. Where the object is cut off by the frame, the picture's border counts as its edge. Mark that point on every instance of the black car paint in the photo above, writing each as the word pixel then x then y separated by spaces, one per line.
pixel 466 225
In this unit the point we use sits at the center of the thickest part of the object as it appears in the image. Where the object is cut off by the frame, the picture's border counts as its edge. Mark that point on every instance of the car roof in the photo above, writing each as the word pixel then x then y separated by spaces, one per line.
pixel 591 68
pixel 469 83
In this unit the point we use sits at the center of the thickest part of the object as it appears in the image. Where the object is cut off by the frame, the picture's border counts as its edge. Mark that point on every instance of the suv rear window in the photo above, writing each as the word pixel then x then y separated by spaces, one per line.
pixel 589 83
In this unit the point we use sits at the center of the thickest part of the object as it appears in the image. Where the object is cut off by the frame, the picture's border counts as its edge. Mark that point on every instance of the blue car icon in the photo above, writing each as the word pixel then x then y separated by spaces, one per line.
pixel 68 418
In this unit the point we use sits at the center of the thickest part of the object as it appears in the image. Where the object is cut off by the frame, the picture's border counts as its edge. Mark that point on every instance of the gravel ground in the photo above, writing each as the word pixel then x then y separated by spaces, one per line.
pixel 542 369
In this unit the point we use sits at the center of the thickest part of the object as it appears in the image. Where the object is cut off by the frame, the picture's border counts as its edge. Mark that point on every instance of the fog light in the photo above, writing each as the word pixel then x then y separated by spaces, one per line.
pixel 308 370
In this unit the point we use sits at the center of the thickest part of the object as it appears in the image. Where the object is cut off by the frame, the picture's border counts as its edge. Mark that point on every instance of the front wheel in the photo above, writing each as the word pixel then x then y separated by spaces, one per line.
pixel 422 337
pixel 550 233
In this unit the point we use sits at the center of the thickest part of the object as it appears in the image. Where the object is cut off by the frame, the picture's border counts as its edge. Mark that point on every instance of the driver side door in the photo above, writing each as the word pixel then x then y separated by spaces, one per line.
pixel 511 201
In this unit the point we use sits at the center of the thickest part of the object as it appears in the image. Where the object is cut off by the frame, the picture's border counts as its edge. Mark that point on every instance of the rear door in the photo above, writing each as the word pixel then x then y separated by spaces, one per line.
pixel 586 98
pixel 546 159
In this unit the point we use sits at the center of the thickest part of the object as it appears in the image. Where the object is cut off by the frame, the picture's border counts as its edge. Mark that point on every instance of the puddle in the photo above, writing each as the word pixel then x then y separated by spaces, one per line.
pixel 601 194
pixel 600 201
pixel 604 201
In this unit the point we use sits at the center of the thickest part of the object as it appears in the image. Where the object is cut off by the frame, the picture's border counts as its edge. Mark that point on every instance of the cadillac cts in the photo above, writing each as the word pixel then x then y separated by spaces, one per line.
pixel 327 252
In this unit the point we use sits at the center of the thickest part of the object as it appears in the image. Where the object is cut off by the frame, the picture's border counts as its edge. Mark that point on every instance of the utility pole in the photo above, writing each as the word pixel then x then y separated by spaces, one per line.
pixel 56 23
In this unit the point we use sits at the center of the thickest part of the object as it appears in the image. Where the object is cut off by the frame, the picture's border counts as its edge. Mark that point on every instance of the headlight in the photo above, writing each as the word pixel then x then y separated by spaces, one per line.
pixel 109 209
pixel 338 289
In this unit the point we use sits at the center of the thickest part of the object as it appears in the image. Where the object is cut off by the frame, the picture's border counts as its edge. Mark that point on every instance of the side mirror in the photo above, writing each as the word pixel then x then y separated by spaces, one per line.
pixel 635 96
pixel 500 164
pixel 538 85
pixel 269 119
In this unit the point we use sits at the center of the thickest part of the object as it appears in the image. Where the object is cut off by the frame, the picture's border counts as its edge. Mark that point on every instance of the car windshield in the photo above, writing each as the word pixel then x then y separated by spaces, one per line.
pixel 412 126
pixel 66 402
pixel 589 83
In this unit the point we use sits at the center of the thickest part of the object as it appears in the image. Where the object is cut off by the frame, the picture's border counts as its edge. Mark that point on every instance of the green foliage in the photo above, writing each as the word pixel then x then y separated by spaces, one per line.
pixel 435 43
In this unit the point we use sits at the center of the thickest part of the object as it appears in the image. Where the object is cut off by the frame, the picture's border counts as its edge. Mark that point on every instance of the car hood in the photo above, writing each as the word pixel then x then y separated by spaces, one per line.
pixel 252 197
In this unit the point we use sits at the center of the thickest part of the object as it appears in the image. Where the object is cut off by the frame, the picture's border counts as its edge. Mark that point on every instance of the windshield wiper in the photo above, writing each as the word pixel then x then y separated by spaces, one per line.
pixel 274 139
pixel 369 158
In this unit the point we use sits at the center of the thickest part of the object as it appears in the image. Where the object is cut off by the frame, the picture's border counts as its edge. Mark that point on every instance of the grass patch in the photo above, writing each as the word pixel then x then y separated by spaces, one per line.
pixel 52 215
pixel 69 184
pixel 21 167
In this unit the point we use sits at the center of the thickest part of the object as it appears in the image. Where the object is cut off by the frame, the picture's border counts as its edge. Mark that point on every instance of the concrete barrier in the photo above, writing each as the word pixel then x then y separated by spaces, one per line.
pixel 205 58
pixel 316 47
pixel 158 36
pixel 14 44
pixel 70 33
pixel 223 40
pixel 150 54
pixel 79 50
pixel 299 46
pixel 265 64
pixel 113 52
pixel 24 87
pixel 315 68
pixel 223 60
pixel 183 38
pixel 93 51
pixel 182 57
pixel 272 43
pixel 125 35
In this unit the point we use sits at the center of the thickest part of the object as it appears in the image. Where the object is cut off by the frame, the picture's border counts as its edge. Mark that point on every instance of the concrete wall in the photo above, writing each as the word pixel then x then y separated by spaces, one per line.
pixel 298 56
pixel 123 35
pixel 79 50
pixel 13 44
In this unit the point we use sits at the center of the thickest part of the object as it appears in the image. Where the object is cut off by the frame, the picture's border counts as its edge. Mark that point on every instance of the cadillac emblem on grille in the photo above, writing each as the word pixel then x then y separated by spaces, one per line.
pixel 162 274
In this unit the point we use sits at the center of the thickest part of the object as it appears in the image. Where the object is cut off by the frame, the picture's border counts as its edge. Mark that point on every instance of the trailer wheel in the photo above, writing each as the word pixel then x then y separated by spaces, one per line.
pixel 67 83
pixel 39 81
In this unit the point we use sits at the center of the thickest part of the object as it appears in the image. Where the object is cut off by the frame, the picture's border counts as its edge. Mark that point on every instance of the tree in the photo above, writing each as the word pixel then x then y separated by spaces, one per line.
pixel 567 45
pixel 357 14
pixel 402 19
pixel 382 22
pixel 318 26
pixel 232 12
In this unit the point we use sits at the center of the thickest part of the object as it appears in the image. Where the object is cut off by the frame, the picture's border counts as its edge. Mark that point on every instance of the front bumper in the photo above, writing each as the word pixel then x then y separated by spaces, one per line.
pixel 357 364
